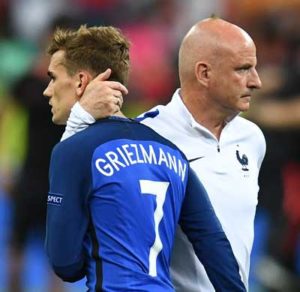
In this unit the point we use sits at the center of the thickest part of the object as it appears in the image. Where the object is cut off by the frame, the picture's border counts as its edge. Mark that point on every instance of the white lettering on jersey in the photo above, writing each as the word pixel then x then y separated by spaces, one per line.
pixel 54 199
pixel 131 154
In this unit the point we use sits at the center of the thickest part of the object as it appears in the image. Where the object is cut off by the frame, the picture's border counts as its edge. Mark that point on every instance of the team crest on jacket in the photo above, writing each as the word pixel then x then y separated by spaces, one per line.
pixel 243 160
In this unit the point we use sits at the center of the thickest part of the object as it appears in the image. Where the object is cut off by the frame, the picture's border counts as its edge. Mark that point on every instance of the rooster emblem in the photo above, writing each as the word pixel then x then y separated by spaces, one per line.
pixel 242 160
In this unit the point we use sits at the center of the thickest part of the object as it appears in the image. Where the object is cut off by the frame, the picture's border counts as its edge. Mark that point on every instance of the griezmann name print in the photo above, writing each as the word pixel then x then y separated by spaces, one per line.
pixel 125 153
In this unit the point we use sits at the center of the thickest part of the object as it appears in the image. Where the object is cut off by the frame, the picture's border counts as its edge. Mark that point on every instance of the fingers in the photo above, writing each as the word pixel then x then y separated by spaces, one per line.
pixel 103 97
pixel 117 86
pixel 118 98
pixel 119 101
pixel 104 76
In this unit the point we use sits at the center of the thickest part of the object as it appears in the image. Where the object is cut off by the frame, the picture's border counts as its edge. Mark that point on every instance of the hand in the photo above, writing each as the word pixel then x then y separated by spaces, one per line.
pixel 103 98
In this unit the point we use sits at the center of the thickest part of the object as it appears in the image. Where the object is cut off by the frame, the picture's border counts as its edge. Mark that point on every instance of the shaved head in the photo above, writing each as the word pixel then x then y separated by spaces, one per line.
pixel 209 41
pixel 217 70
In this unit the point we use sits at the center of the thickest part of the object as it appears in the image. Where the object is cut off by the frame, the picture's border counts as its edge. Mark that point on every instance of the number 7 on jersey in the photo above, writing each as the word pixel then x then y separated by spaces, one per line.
pixel 159 189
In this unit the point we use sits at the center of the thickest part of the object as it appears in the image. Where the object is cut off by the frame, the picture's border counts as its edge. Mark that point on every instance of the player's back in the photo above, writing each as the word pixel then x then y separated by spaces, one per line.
pixel 138 182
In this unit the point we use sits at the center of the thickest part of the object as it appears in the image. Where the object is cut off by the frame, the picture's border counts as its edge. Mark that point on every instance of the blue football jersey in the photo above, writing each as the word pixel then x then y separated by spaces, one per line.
pixel 115 198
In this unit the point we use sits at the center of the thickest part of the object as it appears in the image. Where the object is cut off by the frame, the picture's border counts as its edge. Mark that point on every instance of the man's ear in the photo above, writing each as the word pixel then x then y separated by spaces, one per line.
pixel 82 80
pixel 203 73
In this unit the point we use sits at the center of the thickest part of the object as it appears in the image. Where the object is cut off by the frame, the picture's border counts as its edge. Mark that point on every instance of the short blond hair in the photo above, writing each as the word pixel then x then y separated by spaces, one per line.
pixel 94 49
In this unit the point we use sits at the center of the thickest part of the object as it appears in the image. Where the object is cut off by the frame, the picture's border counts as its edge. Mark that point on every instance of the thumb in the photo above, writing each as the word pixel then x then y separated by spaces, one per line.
pixel 104 75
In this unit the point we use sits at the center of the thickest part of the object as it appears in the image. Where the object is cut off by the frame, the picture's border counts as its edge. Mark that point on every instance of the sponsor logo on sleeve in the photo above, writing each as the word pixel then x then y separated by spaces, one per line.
pixel 54 199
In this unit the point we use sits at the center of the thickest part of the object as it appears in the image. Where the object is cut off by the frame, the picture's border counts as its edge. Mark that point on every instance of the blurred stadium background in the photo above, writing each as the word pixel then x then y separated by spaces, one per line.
pixel 155 28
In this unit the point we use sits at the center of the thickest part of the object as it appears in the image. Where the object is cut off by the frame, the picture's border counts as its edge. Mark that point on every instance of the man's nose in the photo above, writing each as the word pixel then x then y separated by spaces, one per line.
pixel 255 81
pixel 46 92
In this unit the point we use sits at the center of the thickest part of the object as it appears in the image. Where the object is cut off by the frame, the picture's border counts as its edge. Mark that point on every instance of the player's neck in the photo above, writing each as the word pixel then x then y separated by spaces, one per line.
pixel 119 114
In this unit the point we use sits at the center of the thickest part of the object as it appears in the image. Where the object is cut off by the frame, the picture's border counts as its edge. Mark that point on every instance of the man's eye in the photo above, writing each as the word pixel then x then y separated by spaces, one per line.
pixel 51 76
pixel 244 69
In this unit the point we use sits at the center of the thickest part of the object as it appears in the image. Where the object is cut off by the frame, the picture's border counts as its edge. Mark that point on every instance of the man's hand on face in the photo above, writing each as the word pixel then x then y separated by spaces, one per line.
pixel 103 98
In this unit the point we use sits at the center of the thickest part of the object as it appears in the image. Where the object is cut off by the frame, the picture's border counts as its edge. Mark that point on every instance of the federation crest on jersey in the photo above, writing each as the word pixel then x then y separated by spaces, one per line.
pixel 243 160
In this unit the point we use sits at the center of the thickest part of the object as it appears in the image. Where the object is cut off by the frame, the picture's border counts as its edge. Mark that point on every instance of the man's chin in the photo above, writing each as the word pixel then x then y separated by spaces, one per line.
pixel 57 121
pixel 245 107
